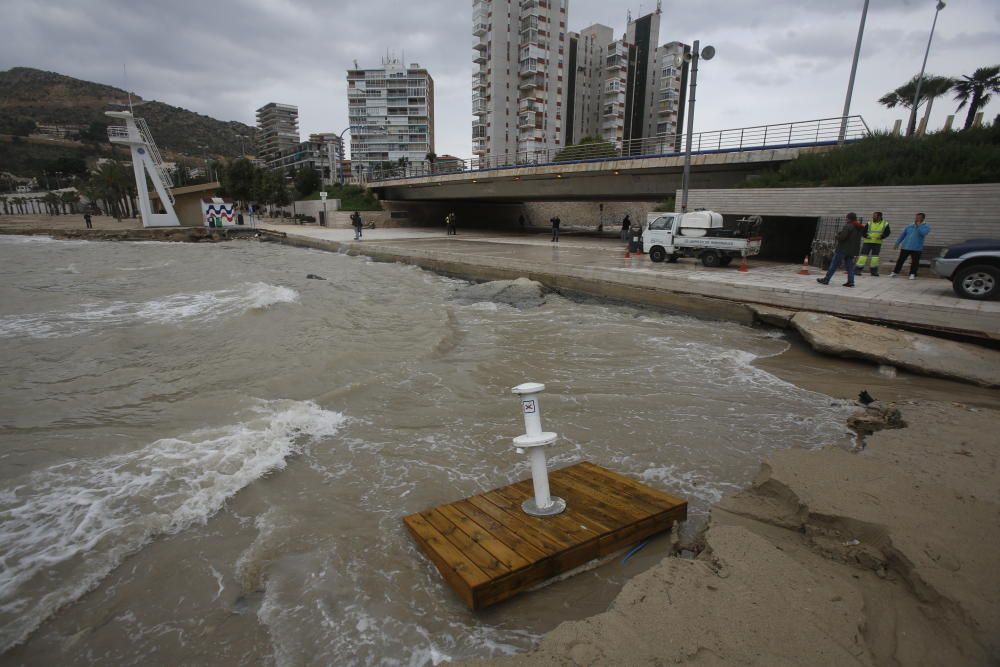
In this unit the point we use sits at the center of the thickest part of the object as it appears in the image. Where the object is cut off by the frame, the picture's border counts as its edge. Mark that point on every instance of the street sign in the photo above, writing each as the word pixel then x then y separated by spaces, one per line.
pixel 322 195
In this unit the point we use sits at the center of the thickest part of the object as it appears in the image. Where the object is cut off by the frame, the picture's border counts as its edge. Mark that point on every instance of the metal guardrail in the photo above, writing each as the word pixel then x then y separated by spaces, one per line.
pixel 820 132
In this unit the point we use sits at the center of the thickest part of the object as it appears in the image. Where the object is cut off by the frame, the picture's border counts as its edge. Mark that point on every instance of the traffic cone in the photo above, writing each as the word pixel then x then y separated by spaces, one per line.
pixel 743 264
pixel 627 253
pixel 804 271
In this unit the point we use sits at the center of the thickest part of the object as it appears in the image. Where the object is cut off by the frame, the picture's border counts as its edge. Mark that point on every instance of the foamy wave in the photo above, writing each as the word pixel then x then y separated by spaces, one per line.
pixel 174 309
pixel 63 529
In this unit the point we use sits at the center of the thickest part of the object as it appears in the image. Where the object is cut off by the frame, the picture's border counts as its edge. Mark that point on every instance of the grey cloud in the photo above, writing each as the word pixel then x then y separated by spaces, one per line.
pixel 779 60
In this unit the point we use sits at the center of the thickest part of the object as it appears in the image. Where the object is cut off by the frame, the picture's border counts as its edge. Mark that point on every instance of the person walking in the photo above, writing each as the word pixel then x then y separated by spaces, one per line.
pixel 87 220
pixel 626 227
pixel 876 231
pixel 911 244
pixel 555 228
pixel 450 224
pixel 357 224
pixel 848 246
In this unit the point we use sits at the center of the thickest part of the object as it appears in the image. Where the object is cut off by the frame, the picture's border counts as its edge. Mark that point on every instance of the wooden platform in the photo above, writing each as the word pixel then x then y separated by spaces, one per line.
pixel 488 550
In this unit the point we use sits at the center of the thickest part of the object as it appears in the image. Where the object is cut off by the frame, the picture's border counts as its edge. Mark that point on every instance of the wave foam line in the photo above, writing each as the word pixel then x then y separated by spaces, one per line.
pixel 174 309
pixel 63 529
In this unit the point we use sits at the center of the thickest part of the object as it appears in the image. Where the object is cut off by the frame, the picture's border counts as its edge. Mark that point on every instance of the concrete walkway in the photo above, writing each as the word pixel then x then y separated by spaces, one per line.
pixel 580 263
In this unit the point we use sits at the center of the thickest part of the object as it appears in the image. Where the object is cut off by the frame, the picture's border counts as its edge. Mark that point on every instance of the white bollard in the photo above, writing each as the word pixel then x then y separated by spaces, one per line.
pixel 534 442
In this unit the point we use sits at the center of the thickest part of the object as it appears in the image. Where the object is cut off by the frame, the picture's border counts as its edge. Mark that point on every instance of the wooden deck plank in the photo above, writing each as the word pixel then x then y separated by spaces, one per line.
pixel 500 551
pixel 520 546
pixel 460 573
pixel 608 503
pixel 629 483
pixel 619 492
pixel 483 559
pixel 488 549
pixel 540 541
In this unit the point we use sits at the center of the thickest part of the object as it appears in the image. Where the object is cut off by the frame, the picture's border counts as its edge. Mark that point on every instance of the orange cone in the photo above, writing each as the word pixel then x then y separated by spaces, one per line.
pixel 627 254
pixel 743 264
pixel 804 271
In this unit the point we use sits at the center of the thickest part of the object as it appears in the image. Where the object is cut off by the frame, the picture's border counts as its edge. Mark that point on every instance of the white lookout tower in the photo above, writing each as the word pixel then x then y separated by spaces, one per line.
pixel 145 160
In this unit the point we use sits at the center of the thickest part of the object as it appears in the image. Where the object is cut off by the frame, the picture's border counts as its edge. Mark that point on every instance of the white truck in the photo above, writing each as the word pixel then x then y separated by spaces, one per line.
pixel 699 234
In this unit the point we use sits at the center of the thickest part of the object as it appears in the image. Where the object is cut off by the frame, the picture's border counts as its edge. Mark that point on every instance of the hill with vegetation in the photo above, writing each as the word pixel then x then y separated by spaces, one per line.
pixel 31 97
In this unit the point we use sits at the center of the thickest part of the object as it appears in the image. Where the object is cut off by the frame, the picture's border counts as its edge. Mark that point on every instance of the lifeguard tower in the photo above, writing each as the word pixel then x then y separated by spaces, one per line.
pixel 145 160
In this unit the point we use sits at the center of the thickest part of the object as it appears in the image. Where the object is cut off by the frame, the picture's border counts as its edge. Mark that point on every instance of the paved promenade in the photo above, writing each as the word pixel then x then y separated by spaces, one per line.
pixel 597 266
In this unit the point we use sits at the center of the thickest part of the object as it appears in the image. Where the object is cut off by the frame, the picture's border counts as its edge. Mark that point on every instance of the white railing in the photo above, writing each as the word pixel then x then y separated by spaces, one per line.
pixel 154 152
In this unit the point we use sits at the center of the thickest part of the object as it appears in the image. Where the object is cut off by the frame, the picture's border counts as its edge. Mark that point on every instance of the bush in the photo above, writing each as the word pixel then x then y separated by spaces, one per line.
pixel 589 148
pixel 969 156
pixel 353 198
pixel 302 217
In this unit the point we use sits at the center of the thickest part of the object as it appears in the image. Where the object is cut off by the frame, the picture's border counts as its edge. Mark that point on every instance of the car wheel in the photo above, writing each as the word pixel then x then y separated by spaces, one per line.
pixel 979 281
pixel 710 258
pixel 657 254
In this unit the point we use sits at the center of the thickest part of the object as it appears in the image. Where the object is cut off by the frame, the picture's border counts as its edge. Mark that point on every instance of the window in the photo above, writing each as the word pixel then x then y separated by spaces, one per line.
pixel 661 223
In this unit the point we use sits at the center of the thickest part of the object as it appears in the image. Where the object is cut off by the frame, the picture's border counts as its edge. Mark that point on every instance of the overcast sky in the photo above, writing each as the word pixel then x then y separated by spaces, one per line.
pixel 777 60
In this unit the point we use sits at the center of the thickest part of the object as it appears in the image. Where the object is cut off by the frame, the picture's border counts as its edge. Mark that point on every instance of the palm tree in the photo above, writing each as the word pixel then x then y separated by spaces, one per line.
pixel 931 88
pixel 976 91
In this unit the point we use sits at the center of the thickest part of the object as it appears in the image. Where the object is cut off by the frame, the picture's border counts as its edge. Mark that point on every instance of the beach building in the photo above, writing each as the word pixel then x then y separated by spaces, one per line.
pixel 277 130
pixel 391 112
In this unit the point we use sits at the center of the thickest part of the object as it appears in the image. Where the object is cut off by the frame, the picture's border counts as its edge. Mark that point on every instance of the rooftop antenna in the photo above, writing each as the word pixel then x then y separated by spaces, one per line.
pixel 356 64
pixel 659 6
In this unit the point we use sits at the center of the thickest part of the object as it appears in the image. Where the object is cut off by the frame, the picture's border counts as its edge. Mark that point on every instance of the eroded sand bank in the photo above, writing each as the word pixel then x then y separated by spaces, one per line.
pixel 882 556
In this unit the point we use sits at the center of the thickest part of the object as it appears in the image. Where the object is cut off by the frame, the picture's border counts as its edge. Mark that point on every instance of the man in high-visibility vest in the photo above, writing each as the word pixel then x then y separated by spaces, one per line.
pixel 876 231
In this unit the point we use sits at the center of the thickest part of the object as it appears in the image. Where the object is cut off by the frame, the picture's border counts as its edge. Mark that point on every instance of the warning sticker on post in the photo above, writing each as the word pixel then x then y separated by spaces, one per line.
pixel 528 406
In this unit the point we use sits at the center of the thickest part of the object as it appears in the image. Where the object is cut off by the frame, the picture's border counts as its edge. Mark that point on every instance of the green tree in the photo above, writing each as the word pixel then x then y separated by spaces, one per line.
pixel 239 178
pixel 95 133
pixel 588 148
pixel 306 181
pixel 976 91
pixel 931 88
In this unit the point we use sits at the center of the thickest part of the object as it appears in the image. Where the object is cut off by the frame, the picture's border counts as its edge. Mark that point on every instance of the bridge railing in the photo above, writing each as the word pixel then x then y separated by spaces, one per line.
pixel 818 132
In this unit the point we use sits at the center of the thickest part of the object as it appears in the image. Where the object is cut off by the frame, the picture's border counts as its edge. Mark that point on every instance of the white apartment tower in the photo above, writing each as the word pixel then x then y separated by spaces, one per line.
pixel 391 112
pixel 277 130
pixel 519 89
pixel 624 89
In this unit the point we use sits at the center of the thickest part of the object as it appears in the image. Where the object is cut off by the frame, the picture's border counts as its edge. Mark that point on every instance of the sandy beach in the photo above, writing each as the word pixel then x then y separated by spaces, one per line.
pixel 884 555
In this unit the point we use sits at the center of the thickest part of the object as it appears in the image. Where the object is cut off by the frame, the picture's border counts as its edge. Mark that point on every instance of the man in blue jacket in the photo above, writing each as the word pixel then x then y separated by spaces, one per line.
pixel 911 244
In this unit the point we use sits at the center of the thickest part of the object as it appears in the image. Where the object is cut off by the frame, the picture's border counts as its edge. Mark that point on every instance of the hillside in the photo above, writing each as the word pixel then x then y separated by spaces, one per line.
pixel 52 98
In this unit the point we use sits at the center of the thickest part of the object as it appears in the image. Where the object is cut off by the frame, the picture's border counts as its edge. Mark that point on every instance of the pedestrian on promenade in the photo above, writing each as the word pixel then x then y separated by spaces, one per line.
pixel 87 221
pixel 626 227
pixel 911 244
pixel 356 223
pixel 848 246
pixel 520 221
pixel 451 224
pixel 555 228
pixel 876 231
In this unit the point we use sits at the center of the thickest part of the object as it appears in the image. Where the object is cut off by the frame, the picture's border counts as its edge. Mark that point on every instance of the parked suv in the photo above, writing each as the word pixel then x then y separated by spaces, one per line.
pixel 973 267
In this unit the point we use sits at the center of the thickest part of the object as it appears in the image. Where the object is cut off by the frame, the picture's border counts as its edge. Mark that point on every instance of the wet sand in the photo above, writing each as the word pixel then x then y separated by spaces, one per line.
pixel 880 556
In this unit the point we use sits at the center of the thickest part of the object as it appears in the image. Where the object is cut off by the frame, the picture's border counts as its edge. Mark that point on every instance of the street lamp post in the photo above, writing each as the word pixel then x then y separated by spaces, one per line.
pixel 340 166
pixel 696 54
pixel 854 71
pixel 920 79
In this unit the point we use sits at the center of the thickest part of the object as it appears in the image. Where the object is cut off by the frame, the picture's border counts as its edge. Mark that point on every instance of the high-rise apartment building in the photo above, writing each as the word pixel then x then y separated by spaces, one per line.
pixel 322 153
pixel 277 130
pixel 519 89
pixel 627 88
pixel 391 111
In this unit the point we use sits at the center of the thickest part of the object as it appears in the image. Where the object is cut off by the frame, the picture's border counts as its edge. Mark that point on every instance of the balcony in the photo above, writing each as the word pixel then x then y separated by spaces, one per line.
pixel 531 82
pixel 480 108
pixel 480 29
pixel 478 82
pixel 530 67
pixel 529 105
pixel 480 58
pixel 527 120
pixel 478 44
pixel 615 63
pixel 529 23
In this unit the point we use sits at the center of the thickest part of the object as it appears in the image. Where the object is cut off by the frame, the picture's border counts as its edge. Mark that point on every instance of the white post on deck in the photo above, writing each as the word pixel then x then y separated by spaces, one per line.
pixel 534 442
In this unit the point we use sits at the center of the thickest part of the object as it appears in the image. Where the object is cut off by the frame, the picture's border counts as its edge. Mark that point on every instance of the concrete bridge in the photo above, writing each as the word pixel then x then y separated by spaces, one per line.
pixel 648 169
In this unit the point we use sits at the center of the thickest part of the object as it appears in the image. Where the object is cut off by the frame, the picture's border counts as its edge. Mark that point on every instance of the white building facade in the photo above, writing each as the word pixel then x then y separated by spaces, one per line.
pixel 277 130
pixel 391 111
pixel 519 87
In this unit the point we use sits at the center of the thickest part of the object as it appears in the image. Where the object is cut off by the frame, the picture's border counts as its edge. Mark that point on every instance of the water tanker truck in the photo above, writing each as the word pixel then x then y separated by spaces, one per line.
pixel 699 234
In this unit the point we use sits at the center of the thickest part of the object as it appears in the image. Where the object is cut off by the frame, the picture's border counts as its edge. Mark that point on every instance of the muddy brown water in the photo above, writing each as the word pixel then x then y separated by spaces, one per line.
pixel 206 456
